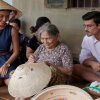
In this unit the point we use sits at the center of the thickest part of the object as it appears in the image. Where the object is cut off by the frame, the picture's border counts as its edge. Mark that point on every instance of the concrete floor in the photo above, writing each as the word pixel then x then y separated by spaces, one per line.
pixel 4 95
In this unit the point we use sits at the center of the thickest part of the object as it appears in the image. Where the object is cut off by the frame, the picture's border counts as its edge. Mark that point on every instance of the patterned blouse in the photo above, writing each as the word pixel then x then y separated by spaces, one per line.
pixel 60 55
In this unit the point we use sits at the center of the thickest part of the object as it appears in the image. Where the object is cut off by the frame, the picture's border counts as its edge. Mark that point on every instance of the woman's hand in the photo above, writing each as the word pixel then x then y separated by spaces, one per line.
pixel 67 71
pixel 3 70
pixel 47 63
pixel 31 59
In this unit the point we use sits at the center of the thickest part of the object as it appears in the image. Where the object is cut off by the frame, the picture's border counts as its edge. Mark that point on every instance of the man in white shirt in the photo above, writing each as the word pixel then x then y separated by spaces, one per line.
pixel 89 67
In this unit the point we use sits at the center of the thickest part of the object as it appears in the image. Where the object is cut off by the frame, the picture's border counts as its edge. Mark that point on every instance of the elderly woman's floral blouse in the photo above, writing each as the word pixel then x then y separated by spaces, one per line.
pixel 60 55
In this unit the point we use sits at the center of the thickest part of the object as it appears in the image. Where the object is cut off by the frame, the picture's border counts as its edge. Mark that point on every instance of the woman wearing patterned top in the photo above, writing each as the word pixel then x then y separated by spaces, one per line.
pixel 34 41
pixel 52 51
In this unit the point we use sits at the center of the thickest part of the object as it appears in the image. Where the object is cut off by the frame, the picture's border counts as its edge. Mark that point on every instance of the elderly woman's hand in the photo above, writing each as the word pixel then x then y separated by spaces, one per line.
pixel 47 63
pixel 31 59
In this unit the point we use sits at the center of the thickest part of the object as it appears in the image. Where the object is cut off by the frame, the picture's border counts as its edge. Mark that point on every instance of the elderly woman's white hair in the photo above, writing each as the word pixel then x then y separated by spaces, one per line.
pixel 50 28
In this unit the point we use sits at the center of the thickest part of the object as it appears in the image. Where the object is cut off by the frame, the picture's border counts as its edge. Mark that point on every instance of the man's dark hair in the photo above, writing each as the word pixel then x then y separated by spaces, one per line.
pixel 95 15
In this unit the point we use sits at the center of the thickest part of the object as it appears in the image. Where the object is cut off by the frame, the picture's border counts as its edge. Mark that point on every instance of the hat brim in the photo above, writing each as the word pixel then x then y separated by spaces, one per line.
pixel 62 92
pixel 29 79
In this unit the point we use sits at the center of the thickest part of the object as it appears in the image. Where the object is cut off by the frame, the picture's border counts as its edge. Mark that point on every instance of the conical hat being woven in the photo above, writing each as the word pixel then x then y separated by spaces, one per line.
pixel 28 79
pixel 6 6
pixel 62 92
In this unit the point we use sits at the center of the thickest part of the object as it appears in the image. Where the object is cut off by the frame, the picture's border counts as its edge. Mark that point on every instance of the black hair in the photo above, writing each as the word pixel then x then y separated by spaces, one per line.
pixel 17 21
pixel 39 22
pixel 95 15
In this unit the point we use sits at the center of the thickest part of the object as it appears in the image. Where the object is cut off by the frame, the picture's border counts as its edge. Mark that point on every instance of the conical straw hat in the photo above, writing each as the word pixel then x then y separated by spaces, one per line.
pixel 29 79
pixel 62 92
pixel 6 6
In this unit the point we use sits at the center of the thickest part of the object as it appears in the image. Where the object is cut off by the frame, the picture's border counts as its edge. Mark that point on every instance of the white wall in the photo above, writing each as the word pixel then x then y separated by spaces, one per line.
pixel 8 1
pixel 68 21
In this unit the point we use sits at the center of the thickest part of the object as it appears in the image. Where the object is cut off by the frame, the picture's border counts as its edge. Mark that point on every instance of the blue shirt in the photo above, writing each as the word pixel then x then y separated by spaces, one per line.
pixel 5 38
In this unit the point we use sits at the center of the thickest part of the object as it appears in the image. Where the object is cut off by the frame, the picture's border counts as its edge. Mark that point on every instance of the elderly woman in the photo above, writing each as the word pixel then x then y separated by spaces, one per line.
pixel 8 36
pixel 34 41
pixel 52 51
pixel 54 54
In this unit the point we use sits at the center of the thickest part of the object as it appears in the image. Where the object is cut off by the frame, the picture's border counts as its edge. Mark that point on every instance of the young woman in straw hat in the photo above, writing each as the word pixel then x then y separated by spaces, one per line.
pixel 8 36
